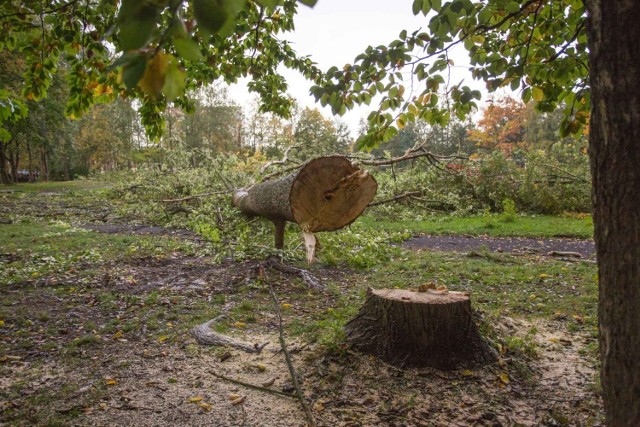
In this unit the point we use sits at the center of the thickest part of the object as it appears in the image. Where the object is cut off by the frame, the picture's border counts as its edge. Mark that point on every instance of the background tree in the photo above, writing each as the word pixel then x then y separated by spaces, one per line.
pixel 314 135
pixel 502 126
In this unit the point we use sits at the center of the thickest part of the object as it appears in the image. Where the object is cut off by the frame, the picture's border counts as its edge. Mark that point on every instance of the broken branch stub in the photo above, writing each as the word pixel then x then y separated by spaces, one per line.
pixel 326 194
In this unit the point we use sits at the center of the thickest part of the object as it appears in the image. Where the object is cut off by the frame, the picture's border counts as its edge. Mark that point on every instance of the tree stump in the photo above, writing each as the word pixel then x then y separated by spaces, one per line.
pixel 326 194
pixel 419 329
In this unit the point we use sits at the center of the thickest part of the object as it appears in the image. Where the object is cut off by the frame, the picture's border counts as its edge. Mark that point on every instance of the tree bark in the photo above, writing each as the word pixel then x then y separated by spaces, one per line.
pixel 408 328
pixel 44 164
pixel 613 37
pixel 326 194
pixel 4 175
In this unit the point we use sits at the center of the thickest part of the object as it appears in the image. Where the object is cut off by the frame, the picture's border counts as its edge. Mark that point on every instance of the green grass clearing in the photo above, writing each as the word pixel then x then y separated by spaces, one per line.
pixel 491 225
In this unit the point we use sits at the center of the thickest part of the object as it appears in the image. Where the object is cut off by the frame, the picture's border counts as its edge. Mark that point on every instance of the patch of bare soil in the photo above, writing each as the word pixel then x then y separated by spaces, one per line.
pixel 516 245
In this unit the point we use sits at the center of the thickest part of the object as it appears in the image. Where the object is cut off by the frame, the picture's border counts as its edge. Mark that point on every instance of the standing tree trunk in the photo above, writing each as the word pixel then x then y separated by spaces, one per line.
pixel 613 37
pixel 4 174
pixel 14 160
pixel 408 328
pixel 328 193
pixel 44 164
pixel 31 178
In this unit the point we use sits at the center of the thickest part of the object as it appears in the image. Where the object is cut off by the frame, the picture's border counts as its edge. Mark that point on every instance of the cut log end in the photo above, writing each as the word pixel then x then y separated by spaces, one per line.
pixel 420 329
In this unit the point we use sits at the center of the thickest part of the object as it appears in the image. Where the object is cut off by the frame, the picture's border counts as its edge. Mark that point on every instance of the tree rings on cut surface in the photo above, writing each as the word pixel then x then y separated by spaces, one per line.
pixel 329 193
pixel 420 329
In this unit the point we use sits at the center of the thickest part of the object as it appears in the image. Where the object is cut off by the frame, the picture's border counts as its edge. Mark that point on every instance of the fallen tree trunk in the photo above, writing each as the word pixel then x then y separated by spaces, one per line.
pixel 326 194
pixel 407 328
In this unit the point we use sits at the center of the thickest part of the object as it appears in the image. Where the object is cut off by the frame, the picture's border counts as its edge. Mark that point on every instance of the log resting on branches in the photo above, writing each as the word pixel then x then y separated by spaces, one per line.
pixel 326 194
pixel 408 328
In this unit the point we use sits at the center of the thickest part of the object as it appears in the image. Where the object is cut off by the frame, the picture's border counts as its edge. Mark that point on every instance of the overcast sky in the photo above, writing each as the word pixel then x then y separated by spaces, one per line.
pixel 334 32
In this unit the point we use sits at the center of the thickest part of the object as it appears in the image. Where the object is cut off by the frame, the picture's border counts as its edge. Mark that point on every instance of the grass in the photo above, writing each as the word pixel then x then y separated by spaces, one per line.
pixel 492 225
pixel 55 186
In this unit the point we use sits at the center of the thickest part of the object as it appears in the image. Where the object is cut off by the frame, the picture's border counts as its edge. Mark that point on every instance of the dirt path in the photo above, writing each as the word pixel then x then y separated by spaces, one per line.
pixel 517 245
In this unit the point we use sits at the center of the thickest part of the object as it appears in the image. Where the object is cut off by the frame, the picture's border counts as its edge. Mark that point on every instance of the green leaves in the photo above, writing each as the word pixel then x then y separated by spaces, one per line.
pixel 217 16
pixel 133 70
pixel 136 24
pixel 187 49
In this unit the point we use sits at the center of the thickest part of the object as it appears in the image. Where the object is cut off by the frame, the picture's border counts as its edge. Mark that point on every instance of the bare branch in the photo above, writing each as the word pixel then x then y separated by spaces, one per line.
pixel 282 161
pixel 280 172
pixel 287 357
pixel 396 198
pixel 195 196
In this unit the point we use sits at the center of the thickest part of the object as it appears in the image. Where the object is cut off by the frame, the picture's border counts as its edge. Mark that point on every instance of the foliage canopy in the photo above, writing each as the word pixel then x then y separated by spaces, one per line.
pixel 167 47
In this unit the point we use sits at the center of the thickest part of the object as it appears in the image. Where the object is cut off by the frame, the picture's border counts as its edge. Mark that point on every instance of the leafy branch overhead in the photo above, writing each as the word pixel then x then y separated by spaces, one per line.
pixel 164 49
pixel 168 47
pixel 537 48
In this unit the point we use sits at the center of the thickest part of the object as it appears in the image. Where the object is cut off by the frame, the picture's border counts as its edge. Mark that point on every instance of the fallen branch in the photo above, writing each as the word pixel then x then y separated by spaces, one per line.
pixel 280 172
pixel 253 386
pixel 396 198
pixel 206 336
pixel 565 254
pixel 282 161
pixel 411 154
pixel 195 196
pixel 309 279
pixel 287 357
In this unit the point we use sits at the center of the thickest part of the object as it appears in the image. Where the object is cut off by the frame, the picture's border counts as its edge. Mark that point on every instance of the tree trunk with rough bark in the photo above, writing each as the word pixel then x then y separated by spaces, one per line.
pixel 614 149
pixel 327 193
pixel 408 328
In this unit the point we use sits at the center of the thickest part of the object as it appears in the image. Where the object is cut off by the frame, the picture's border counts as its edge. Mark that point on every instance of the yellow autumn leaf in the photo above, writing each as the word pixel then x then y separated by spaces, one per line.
pixel 1 323
pixel 504 378
pixel 261 367
pixel 269 382
pixel 195 399
pixel 117 335
pixel 537 94
pixel 238 400
pixel 110 381
pixel 467 373
pixel 205 406
pixel 554 340
pixel 154 75
pixel 240 325
pixel 163 338
pixel 543 276
pixel 286 306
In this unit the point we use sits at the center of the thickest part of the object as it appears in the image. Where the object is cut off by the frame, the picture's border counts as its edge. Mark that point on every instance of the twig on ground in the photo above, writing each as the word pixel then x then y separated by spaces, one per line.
pixel 287 357
pixel 253 386
pixel 308 278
